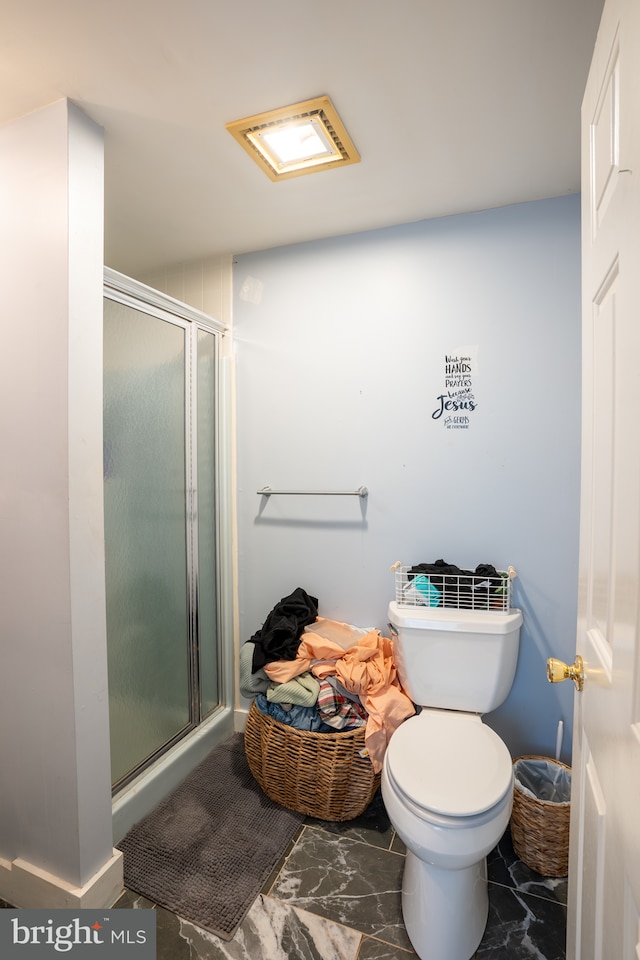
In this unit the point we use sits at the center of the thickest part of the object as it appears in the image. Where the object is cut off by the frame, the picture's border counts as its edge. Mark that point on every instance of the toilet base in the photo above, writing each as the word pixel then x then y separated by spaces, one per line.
pixel 445 911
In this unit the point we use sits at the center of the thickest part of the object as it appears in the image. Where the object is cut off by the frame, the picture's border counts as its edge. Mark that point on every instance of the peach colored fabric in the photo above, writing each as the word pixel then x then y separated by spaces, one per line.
pixel 344 634
pixel 366 668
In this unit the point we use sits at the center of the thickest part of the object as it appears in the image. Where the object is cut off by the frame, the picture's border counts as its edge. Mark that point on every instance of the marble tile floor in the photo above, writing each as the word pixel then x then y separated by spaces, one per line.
pixel 336 896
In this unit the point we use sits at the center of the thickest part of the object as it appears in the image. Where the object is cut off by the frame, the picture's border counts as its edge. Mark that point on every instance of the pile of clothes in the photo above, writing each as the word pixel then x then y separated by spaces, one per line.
pixel 324 675
pixel 446 585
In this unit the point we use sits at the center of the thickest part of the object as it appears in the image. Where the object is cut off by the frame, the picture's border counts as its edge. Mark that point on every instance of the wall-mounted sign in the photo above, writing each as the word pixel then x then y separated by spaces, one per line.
pixel 457 401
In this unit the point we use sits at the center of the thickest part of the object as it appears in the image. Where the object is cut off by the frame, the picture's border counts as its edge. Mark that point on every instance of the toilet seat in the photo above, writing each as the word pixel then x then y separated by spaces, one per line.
pixel 449 764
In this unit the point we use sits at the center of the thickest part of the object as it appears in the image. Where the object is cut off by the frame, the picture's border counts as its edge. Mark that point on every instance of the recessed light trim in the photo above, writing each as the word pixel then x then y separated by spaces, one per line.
pixel 291 141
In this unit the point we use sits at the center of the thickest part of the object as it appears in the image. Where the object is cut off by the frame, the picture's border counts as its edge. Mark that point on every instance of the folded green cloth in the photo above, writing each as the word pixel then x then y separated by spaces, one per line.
pixel 251 683
pixel 302 690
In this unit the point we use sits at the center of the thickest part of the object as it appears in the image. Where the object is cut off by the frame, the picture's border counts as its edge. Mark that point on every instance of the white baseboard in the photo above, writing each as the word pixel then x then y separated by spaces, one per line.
pixel 24 885
pixel 240 719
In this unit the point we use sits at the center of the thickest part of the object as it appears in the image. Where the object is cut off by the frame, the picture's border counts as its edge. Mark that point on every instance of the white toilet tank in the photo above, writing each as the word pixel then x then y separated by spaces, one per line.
pixel 455 659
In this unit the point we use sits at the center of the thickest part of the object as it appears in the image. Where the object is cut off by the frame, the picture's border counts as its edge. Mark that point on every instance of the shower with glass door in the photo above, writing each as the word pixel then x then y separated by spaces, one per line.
pixel 161 557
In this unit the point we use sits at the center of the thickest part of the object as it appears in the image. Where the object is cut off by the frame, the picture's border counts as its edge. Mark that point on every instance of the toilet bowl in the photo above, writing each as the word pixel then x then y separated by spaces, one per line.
pixel 447 779
pixel 450 813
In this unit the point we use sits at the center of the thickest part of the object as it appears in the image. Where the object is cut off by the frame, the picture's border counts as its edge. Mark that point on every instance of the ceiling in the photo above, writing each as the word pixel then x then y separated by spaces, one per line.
pixel 453 105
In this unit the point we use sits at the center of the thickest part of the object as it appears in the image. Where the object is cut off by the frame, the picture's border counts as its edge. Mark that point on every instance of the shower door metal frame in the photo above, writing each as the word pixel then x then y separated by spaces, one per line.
pixel 140 297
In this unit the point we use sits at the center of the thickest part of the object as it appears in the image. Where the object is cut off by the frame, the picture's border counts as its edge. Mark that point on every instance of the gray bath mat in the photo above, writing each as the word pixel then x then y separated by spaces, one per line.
pixel 205 852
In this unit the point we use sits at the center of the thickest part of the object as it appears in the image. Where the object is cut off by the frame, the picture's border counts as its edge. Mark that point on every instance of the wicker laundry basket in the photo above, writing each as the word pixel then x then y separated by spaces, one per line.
pixel 322 775
pixel 540 828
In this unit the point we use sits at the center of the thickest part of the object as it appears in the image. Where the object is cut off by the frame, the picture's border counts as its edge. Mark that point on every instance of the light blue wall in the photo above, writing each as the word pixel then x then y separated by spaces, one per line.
pixel 340 348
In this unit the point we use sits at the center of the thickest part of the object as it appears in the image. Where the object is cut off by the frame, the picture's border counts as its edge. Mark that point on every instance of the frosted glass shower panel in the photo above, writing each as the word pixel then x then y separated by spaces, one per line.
pixel 145 522
pixel 207 592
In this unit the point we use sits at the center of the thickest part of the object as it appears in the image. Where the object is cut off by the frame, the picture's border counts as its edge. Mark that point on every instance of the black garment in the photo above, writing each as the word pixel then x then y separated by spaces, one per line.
pixel 461 588
pixel 279 637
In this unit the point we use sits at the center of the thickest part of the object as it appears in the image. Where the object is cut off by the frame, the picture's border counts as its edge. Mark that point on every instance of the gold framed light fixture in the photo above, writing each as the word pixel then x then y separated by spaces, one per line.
pixel 303 138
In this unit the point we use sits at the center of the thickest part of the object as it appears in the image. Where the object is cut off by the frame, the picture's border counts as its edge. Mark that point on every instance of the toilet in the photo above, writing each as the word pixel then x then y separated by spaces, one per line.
pixel 447 779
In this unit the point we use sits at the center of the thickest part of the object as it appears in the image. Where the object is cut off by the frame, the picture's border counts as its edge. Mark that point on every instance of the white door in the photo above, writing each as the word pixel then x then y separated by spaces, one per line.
pixel 604 868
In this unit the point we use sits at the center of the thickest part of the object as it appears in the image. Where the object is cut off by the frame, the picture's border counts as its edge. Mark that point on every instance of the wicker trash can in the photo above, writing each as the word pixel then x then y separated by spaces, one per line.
pixel 540 815
pixel 322 775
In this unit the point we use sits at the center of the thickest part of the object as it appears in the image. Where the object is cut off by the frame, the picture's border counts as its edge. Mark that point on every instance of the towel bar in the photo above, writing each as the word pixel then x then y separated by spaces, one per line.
pixel 268 492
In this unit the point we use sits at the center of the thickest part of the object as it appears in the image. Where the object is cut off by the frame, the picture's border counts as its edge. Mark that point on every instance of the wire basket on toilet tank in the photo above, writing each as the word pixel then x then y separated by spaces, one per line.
pixel 442 584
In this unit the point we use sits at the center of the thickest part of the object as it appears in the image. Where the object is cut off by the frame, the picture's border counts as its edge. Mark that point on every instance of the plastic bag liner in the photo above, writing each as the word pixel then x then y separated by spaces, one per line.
pixel 543 780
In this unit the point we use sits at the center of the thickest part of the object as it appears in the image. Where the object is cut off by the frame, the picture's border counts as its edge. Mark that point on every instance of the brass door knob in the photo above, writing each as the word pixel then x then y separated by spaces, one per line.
pixel 557 671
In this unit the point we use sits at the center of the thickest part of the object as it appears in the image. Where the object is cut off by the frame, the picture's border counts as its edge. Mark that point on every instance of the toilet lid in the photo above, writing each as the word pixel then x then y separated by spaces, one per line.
pixel 450 763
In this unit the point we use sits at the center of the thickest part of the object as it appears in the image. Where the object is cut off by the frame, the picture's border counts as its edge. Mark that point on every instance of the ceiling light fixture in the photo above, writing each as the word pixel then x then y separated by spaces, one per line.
pixel 291 141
